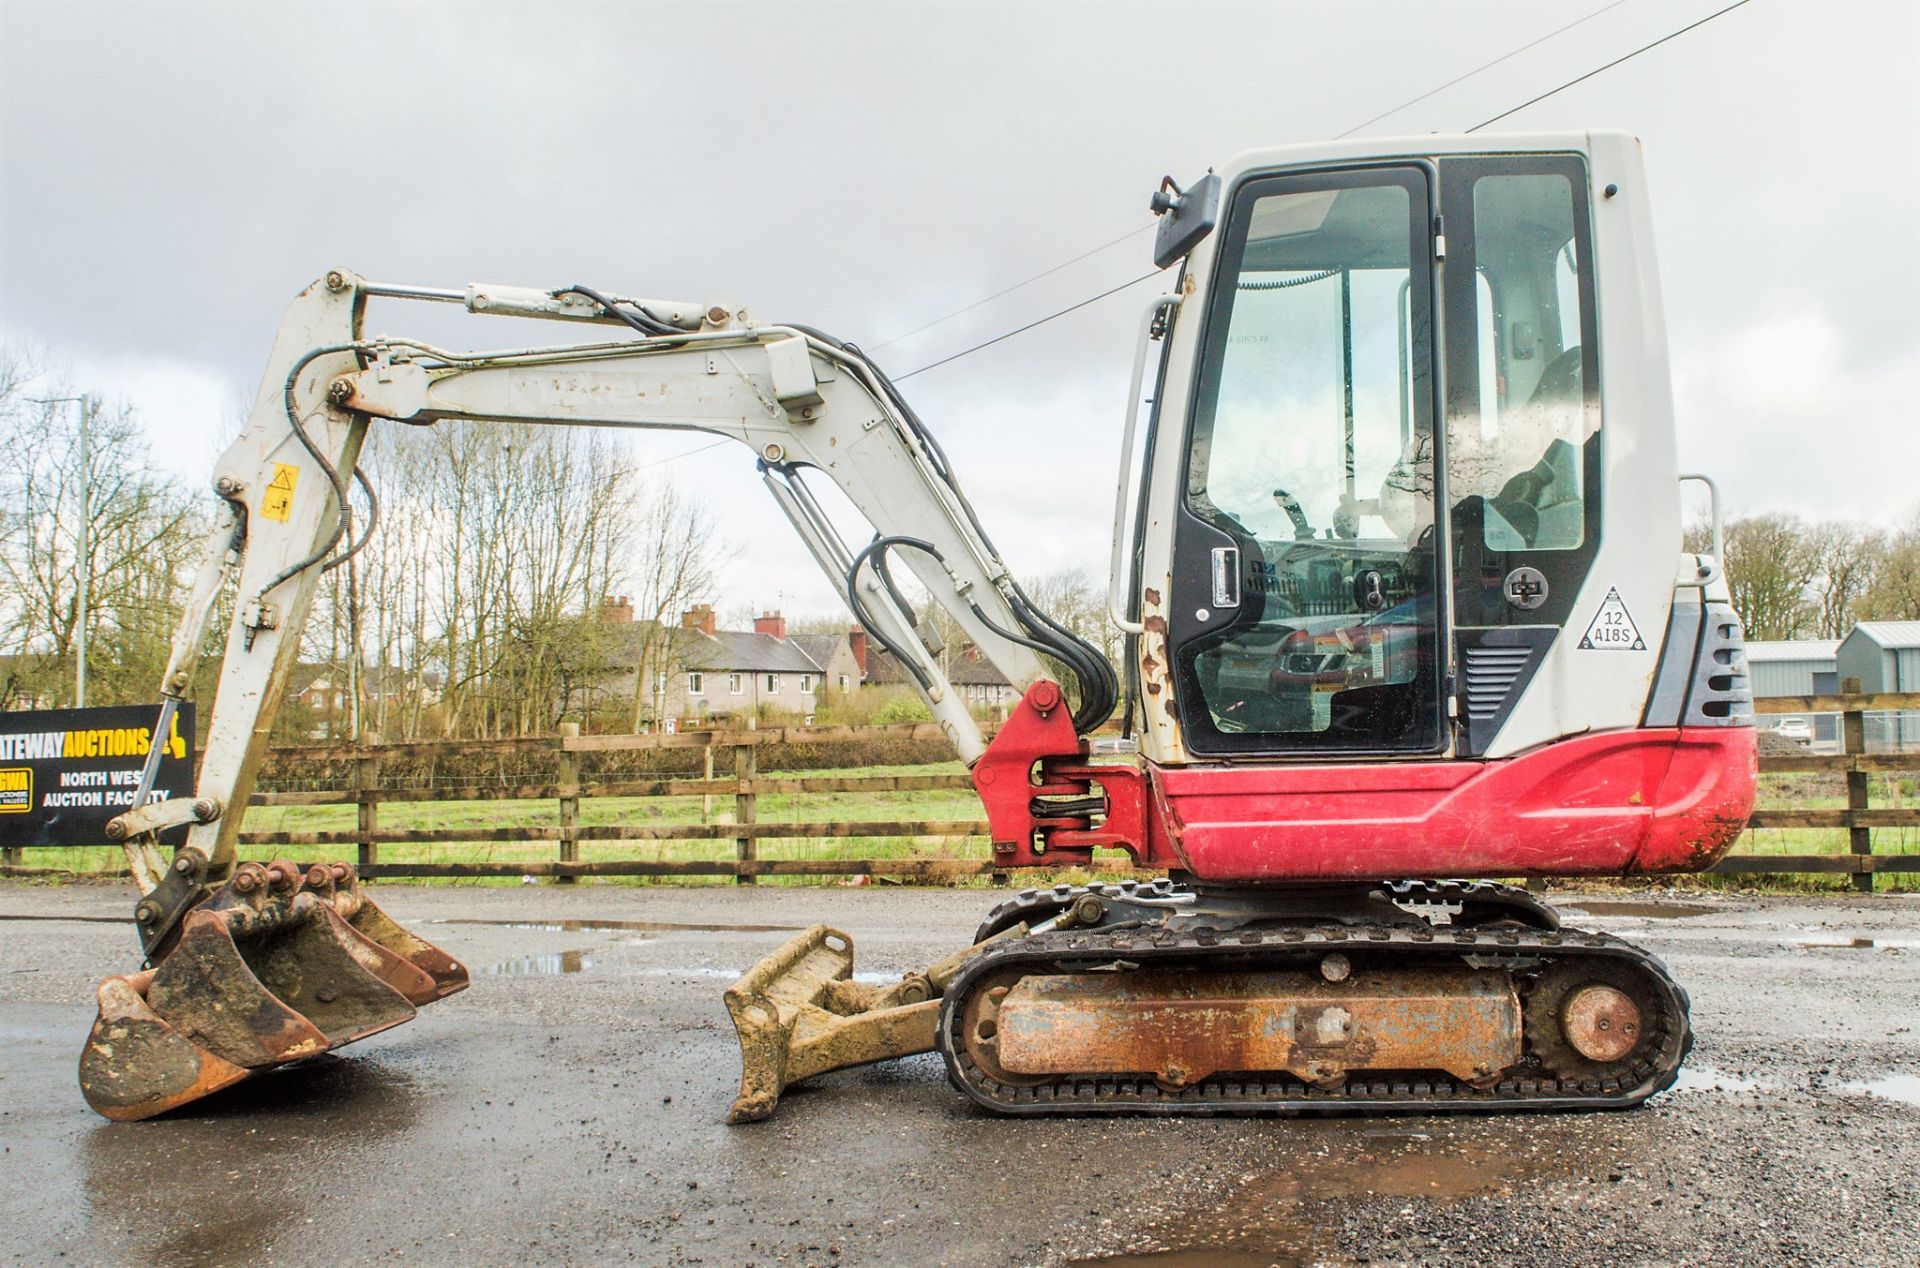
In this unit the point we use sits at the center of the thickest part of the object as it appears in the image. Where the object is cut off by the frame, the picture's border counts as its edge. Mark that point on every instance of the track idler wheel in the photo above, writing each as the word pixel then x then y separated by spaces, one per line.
pixel 1589 1020
pixel 274 967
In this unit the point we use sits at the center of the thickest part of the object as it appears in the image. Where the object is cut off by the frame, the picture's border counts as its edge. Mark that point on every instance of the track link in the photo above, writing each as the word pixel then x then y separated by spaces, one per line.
pixel 1472 902
pixel 1525 953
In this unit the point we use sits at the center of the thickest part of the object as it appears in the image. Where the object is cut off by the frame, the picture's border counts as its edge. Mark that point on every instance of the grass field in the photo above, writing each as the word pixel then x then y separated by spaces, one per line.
pixel 1779 791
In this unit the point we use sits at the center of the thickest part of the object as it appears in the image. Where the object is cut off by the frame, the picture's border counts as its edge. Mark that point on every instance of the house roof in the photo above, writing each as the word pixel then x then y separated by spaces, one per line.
pixel 882 668
pixel 744 649
pixel 1892 635
pixel 818 647
pixel 975 670
pixel 1822 649
pixel 721 652
pixel 965 671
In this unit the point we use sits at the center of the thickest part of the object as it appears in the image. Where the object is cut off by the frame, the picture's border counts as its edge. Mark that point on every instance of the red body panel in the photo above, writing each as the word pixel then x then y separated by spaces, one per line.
pixel 1616 803
pixel 1609 804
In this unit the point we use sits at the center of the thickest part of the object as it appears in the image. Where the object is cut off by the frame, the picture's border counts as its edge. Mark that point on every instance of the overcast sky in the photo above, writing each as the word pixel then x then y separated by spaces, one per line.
pixel 170 175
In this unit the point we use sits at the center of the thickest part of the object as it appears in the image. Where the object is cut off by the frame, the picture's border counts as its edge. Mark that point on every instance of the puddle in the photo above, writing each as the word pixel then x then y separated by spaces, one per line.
pixel 1286 1216
pixel 92 920
pixel 1197 1257
pixel 1904 1088
pixel 541 965
pixel 1644 910
pixel 734 975
pixel 580 961
pixel 621 926
pixel 1704 1078
pixel 1837 941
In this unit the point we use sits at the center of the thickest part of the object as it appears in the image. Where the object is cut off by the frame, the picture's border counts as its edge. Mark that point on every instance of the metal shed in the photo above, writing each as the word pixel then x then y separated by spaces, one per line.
pixel 1797 667
pixel 1885 656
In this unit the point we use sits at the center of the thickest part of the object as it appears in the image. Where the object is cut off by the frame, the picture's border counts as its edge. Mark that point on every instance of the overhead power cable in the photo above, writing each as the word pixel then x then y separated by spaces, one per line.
pixel 1672 35
pixel 1020 330
pixel 1460 79
pixel 1136 232
pixel 1008 290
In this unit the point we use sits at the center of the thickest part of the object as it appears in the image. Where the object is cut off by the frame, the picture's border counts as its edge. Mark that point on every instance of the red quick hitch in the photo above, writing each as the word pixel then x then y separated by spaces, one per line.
pixel 1042 795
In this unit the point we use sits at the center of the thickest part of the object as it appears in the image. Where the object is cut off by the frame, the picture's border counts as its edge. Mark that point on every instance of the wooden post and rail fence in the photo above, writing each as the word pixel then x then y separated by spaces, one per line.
pixel 745 830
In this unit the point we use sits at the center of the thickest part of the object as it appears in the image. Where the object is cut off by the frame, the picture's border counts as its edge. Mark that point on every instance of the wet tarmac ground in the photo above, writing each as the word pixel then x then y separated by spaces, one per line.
pixel 568 1108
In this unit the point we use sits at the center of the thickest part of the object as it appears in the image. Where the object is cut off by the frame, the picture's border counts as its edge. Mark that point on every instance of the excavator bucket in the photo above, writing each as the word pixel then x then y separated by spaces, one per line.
pixel 799 1013
pixel 272 968
pixel 340 886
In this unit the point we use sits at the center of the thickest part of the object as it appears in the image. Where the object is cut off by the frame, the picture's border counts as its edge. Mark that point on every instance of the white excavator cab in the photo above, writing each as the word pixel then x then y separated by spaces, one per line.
pixel 1374 331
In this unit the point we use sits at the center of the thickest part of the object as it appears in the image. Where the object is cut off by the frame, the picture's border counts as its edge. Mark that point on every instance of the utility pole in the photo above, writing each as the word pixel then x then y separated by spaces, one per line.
pixel 83 539
pixel 84 564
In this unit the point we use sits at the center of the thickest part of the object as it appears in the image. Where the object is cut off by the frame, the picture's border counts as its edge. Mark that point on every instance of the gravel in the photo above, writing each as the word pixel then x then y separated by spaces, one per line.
pixel 569 1107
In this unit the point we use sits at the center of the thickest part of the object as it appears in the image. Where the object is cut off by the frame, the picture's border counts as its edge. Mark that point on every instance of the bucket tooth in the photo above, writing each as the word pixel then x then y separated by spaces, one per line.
pixel 341 887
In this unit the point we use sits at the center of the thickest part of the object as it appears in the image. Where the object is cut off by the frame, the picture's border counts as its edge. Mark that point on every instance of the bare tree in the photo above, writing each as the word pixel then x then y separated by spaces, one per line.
pixel 678 553
pixel 139 541
pixel 1846 557
pixel 1771 568
pixel 1894 594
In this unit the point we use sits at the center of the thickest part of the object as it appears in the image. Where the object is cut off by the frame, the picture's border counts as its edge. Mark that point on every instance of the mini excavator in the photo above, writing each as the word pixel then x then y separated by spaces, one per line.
pixel 1398 559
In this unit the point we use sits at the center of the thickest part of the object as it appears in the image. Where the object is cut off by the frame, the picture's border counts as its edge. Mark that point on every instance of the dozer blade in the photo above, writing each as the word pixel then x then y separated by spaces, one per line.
pixel 265 972
pixel 799 1013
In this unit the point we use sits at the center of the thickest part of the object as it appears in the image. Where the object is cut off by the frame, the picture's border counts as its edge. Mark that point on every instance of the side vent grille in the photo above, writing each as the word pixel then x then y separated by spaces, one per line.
pixel 1722 695
pixel 1495 666
pixel 1491 674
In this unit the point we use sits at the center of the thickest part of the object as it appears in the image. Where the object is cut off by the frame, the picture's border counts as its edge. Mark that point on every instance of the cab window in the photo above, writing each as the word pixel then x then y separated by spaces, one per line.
pixel 1522 465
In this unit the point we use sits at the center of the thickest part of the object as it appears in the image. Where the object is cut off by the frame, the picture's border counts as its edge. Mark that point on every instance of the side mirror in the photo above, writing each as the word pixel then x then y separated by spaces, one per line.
pixel 1186 217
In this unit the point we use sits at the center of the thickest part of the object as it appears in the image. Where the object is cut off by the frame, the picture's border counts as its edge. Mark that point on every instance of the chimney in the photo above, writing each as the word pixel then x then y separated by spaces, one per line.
pixel 701 618
pixel 617 610
pixel 771 623
pixel 857 640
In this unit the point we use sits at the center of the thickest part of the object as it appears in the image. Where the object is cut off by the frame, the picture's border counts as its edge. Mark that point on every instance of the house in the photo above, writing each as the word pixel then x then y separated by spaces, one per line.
pixel 328 698
pixel 977 680
pixel 1885 657
pixel 980 682
pixel 698 670
pixel 842 657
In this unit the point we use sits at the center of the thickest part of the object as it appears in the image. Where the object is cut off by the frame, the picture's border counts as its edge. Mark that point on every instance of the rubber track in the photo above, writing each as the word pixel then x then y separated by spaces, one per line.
pixel 1033 902
pixel 1524 950
pixel 1010 912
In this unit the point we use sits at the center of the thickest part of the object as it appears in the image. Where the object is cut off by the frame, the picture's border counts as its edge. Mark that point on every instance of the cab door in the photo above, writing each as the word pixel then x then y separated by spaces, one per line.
pixel 1304 614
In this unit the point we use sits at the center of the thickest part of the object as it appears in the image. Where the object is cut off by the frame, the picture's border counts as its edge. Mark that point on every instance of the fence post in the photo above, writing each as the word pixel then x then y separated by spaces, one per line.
pixel 706 798
pixel 567 776
pixel 366 778
pixel 746 768
pixel 1853 737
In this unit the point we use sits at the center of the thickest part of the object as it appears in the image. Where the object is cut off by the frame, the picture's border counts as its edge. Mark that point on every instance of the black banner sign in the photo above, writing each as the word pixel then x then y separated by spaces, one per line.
pixel 65 772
